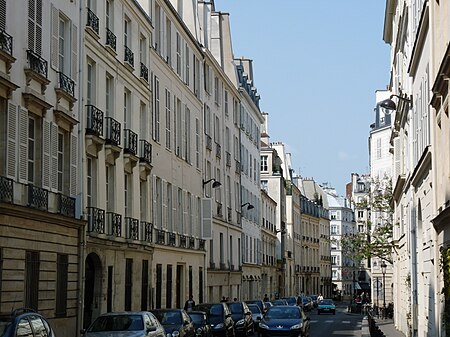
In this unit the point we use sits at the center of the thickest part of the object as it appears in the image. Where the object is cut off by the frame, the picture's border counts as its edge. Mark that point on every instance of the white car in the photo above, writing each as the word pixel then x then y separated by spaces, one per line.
pixel 126 324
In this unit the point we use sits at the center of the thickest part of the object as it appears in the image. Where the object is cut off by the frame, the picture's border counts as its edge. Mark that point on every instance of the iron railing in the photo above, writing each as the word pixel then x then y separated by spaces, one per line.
pixel 66 205
pixel 37 64
pixel 130 141
pixel 112 131
pixel 218 150
pixel 145 151
pixel 208 143
pixel 37 198
pixel 94 120
pixel 228 158
pixel 92 20
pixel 6 190
pixel 144 72
pixel 96 220
pixel 201 244
pixel 129 56
pixel 132 228
pixel 6 42
pixel 183 241
pixel 110 39
pixel 160 236
pixel 172 239
pixel 191 243
pixel 114 222
pixel 147 230
pixel 66 84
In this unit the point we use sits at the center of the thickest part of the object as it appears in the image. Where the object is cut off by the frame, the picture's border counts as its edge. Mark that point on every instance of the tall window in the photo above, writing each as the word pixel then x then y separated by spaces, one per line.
pixel 169 203
pixel 187 64
pixel 158 286
pixel 35 26
pixel 226 103
pixel 109 11
pixel 64 45
pixel 61 161
pixel 91 177
pixel 178 65
pixel 168 41
pixel 178 130
pixel 90 95
pixel 143 200
pixel 156 120
pixel 169 286
pixel 143 122
pixel 126 109
pixel 32 148
pixel 110 183
pixel 168 121
pixel 109 93
pixel 143 49
pixel 158 28
pixel 127 32
pixel 128 194
pixel 62 272
pixel 187 135
pixel 197 143
pixel 221 249
pixel 32 263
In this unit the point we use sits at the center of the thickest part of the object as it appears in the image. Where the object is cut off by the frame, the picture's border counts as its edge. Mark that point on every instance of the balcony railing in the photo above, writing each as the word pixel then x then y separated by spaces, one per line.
pixel 129 56
pixel 92 20
pixel 201 244
pixel 172 239
pixel 208 143
pixel 191 243
pixel 66 205
pixel 229 214
pixel 218 150
pixel 144 72
pixel 160 236
pixel 37 63
pixel 237 167
pixel 130 142
pixel 228 159
pixel 219 209
pixel 94 121
pixel 147 231
pixel 145 151
pixel 132 228
pixel 66 84
pixel 114 222
pixel 183 241
pixel 6 42
pixel 6 190
pixel 37 198
pixel 112 131
pixel 96 220
pixel 110 39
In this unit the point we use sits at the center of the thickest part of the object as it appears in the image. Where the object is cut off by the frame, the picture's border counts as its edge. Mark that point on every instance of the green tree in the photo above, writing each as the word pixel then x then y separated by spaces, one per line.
pixel 376 238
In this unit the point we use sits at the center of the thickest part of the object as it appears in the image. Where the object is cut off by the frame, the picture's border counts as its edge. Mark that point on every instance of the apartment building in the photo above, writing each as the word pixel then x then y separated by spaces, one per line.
pixel 41 230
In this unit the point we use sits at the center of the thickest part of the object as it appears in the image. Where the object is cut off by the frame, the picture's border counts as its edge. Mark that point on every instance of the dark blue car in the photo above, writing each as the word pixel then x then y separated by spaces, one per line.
pixel 284 320
pixel 24 322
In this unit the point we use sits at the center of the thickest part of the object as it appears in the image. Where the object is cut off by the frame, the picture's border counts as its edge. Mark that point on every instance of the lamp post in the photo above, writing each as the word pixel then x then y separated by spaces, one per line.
pixel 383 271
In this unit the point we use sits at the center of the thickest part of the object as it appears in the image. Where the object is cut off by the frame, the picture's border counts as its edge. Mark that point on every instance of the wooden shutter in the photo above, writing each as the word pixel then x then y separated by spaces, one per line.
pixel 73 164
pixel 155 204
pixel 11 131
pixel 206 218
pixel 23 145
pixel 54 47
pixel 54 157
pixel 74 52
pixel 164 187
pixel 46 143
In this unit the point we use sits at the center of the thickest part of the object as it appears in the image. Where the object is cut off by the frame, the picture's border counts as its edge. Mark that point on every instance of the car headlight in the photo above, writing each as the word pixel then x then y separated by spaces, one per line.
pixel 219 326
pixel 174 333
pixel 263 326
pixel 199 331
pixel 240 322
pixel 297 326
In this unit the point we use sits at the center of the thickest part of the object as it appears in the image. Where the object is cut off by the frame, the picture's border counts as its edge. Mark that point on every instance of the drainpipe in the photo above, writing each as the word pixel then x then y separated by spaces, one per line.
pixel 414 307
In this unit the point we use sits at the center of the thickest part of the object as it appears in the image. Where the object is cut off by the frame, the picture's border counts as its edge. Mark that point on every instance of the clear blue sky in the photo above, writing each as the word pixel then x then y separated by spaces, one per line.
pixel 317 65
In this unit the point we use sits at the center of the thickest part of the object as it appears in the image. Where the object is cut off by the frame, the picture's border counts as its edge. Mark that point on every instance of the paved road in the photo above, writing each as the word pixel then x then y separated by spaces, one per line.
pixel 342 324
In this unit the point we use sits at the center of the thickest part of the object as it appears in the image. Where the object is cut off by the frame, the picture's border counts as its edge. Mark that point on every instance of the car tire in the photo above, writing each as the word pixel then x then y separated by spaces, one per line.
pixel 318 312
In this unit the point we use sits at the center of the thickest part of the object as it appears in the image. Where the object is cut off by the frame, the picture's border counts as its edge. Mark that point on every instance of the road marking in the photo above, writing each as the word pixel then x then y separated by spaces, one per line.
pixel 346 322
pixel 330 321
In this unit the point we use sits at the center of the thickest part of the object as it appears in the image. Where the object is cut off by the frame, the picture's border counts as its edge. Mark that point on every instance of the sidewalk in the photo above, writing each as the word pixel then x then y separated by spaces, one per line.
pixel 388 328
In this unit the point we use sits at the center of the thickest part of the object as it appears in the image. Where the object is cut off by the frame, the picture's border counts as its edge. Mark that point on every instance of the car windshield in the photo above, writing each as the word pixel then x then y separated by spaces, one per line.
pixel 197 318
pixel 235 308
pixel 326 302
pixel 283 312
pixel 168 317
pixel 254 309
pixel 117 323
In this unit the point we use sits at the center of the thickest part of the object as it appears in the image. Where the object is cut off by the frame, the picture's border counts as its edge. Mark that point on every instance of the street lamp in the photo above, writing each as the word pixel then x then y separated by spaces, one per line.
pixel 383 271
pixel 389 104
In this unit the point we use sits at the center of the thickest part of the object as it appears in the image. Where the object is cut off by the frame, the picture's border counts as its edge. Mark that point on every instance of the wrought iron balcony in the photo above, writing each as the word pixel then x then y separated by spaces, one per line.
pixel 172 239
pixel 37 198
pixel 112 131
pixel 130 142
pixel 114 222
pixel 218 150
pixel 160 236
pixel 110 39
pixel 6 190
pixel 94 121
pixel 228 159
pixel 191 243
pixel 183 241
pixel 66 84
pixel 229 214
pixel 132 228
pixel 6 42
pixel 147 231
pixel 66 205
pixel 201 244
pixel 145 151
pixel 129 56
pixel 237 166
pixel 37 64
pixel 92 20
pixel 96 220
pixel 144 72
pixel 219 209
pixel 208 143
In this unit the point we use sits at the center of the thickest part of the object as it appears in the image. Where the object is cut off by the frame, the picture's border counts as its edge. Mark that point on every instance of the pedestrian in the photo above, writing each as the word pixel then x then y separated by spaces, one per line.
pixel 266 298
pixel 235 299
pixel 319 298
pixel 223 299
pixel 190 303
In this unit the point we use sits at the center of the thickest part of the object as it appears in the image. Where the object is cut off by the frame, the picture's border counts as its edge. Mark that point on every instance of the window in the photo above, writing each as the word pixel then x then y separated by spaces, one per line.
pixel 226 103
pixel 180 207
pixel 208 79
pixel 109 11
pixel 143 122
pixel 128 194
pixel 221 249
pixel 109 91
pixel 196 77
pixel 216 129
pixel 32 263
pixel 110 183
pixel 156 120
pixel 62 272
pixel 168 121
pixel 61 161
pixel 90 85
pixel 127 32
pixel 143 49
pixel 127 109
pixel 64 45
pixel 144 286
pixel 187 65
pixel 187 134
pixel 169 280
pixel 158 29
pixel 178 131
pixel 216 91
pixel 197 143
pixel 91 177
pixel 143 198
pixel 168 41
pixel 34 26
pixel 32 148
pixel 169 206
pixel 128 283
pixel 334 229
pixel 207 120
pixel 178 64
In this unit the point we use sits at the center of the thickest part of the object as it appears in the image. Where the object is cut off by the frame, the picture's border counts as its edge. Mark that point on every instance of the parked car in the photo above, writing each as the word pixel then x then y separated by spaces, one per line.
pixel 326 306
pixel 201 324
pixel 23 322
pixel 256 314
pixel 314 300
pixel 306 303
pixel 262 305
pixel 176 322
pixel 242 317
pixel 219 318
pixel 125 324
pixel 279 302
pixel 268 305
pixel 284 320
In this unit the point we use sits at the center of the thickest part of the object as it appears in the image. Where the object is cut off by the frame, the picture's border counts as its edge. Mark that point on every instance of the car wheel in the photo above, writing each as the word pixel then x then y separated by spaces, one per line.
pixel 318 312
pixel 334 312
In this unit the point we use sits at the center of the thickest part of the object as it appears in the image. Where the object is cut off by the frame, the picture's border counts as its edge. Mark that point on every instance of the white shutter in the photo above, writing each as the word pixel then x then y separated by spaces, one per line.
pixel 54 47
pixel 11 131
pixel 155 219
pixel 74 52
pixel 186 228
pixel 164 187
pixel 23 145
pixel 206 218
pixel 54 157
pixel 46 143
pixel 73 164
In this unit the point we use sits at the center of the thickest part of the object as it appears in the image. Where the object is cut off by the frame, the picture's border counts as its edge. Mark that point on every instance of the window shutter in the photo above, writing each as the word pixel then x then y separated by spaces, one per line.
pixel 3 14
pixel 11 131
pixel 54 157
pixel 155 218
pixel 73 164
pixel 185 212
pixel 54 49
pixel 74 52
pixel 207 218
pixel 23 145
pixel 46 143
pixel 164 188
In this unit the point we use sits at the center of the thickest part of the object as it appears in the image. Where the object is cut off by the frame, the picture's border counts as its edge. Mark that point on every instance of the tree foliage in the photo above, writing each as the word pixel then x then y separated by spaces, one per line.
pixel 376 238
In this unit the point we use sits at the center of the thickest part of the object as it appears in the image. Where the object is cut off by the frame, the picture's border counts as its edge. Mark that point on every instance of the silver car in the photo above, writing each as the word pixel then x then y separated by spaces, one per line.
pixel 126 324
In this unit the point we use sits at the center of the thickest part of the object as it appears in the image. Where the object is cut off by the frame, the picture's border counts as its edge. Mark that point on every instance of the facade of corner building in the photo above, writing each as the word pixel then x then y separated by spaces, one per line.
pixel 40 113
pixel 315 205
pixel 342 223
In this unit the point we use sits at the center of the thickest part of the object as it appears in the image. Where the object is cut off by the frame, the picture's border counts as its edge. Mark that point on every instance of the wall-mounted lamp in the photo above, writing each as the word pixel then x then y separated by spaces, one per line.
pixel 215 183
pixel 249 206
pixel 389 104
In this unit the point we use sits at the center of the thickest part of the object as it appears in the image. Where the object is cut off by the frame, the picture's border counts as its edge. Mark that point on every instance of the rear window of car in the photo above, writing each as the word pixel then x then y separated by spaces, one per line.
pixel 117 323
pixel 235 308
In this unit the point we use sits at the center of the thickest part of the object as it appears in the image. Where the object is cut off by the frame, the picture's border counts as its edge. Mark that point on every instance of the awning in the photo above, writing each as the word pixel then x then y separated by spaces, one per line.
pixel 357 286
pixel 364 286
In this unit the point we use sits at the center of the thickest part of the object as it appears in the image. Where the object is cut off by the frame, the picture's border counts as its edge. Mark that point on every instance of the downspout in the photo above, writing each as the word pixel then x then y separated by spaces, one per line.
pixel 80 167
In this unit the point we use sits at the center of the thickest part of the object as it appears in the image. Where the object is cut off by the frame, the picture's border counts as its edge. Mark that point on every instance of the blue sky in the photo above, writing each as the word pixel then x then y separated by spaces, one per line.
pixel 317 65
